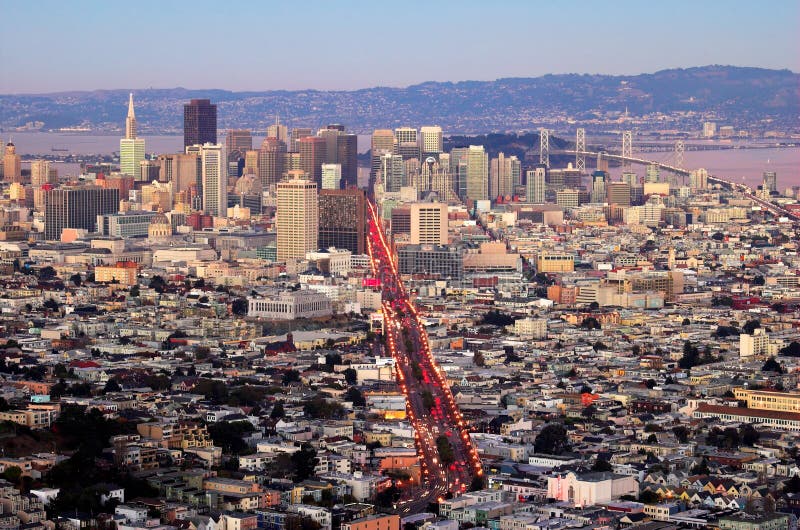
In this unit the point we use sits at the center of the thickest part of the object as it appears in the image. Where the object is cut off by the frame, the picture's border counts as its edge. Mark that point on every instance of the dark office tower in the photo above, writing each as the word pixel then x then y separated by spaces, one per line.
pixel 347 156
pixel 270 162
pixel 199 122
pixel 343 219
pixel 297 133
pixel 77 208
pixel 237 143
pixel 312 155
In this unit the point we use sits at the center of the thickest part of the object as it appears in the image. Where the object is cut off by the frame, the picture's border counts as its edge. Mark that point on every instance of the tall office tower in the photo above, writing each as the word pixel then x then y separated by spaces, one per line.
pixel 331 177
pixel 502 174
pixel 297 218
pixel 214 180
pixel 431 140
pixel 437 178
pixel 12 164
pixel 631 178
pixel 382 143
pixel 477 173
pixel 535 184
pixel 271 161
pixel 183 170
pixel 619 193
pixel 313 154
pixel 331 134
pixel 413 175
pixel 599 179
pixel 77 207
pixel 407 142
pixel 458 170
pixel 428 223
pixel 568 198
pixel 297 134
pixel 149 170
pixel 237 143
pixel 131 148
pixel 343 220
pixel 347 156
pixel 709 129
pixel 698 179
pixel 250 162
pixel 276 130
pixel 40 173
pixel 651 173
pixel 392 172
pixel 291 162
pixel 770 183
pixel 199 122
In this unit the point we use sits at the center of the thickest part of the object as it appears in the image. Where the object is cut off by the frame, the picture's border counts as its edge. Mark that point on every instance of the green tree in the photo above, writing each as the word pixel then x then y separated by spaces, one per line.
pixel 76 279
pixel 239 306
pixel 446 455
pixel 771 365
pixel 552 439
pixel 354 395
pixel 351 376
pixel 304 462
pixel 277 410
pixel 290 376
pixel 649 497
pixel 602 465
pixel 12 474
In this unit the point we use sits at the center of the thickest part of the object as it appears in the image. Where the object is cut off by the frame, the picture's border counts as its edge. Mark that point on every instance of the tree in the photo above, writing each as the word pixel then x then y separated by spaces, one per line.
pixel 277 410
pixel 748 434
pixel 354 395
pixel 792 485
pixel 76 279
pixel 792 350
pixel 681 433
pixel 750 326
pixel 686 322
pixel 304 461
pixel 446 455
pixel 351 376
pixel 134 291
pixel 496 318
pixel 649 497
pixel 112 386
pixel 552 439
pixel 51 304
pixel 477 484
pixel 158 284
pixel 691 356
pixel 602 465
pixel 12 474
pixel 47 273
pixel 478 359
pixel 701 468
pixel 239 306
pixel 771 365
pixel 590 323
pixel 290 376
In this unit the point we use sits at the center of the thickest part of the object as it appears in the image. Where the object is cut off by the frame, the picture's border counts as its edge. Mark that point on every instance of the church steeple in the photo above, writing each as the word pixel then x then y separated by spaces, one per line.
pixel 130 121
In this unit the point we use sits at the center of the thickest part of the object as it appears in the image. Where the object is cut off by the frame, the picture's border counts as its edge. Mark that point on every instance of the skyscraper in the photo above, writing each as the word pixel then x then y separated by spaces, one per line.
pixel 237 143
pixel 342 219
pixel 331 176
pixel 599 179
pixel 271 161
pixel 431 140
pixel 503 172
pixel 199 122
pixel 536 184
pixel 347 157
pixel 392 172
pixel 77 208
pixel 428 223
pixel 214 180
pixel 477 173
pixel 12 164
pixel 619 193
pixel 40 173
pixel 770 182
pixel 313 154
pixel 276 130
pixel 406 141
pixel 298 133
pixel 382 143
pixel 131 148
pixel 297 218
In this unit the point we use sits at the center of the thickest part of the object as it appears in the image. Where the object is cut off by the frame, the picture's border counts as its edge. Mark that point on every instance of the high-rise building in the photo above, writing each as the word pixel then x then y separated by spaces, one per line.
pixel 77 207
pixel 431 140
pixel 131 148
pixel 392 172
pixel 652 173
pixel 503 171
pixel 568 198
pixel 535 184
pixel 477 173
pixel 331 177
pixel 698 179
pixel 297 134
pixel 313 153
pixel 271 159
pixel 599 180
pixel 347 157
pixel 12 164
pixel 199 122
pixel 619 193
pixel 297 218
pixel 237 143
pixel 343 219
pixel 428 223
pixel 214 180
pixel 770 182
pixel 458 170
pixel 709 129
pixel 41 174
pixel 182 170
pixel 407 142
pixel 276 130
pixel 382 143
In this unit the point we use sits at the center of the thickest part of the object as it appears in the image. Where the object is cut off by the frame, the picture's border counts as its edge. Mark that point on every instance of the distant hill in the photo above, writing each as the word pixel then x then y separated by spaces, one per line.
pixel 743 97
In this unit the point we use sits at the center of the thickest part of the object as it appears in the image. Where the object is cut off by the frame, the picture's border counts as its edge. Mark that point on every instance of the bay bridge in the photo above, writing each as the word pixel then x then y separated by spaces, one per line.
pixel 673 165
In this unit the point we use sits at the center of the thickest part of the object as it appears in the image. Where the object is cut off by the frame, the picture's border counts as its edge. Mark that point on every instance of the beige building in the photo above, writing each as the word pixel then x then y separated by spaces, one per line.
pixel 755 344
pixel 591 488
pixel 41 173
pixel 555 262
pixel 531 327
pixel 428 223
pixel 124 273
pixel 12 164
pixel 768 400
pixel 297 219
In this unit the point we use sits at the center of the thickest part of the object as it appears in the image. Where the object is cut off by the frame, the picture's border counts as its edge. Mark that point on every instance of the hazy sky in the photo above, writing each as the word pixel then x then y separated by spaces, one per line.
pixel 51 45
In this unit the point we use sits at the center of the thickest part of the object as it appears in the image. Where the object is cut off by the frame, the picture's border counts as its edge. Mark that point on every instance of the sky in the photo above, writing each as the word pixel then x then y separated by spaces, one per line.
pixel 49 46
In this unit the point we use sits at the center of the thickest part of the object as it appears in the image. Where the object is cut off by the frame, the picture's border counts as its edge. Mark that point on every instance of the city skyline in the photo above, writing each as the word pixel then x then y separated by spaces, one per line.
pixel 533 39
